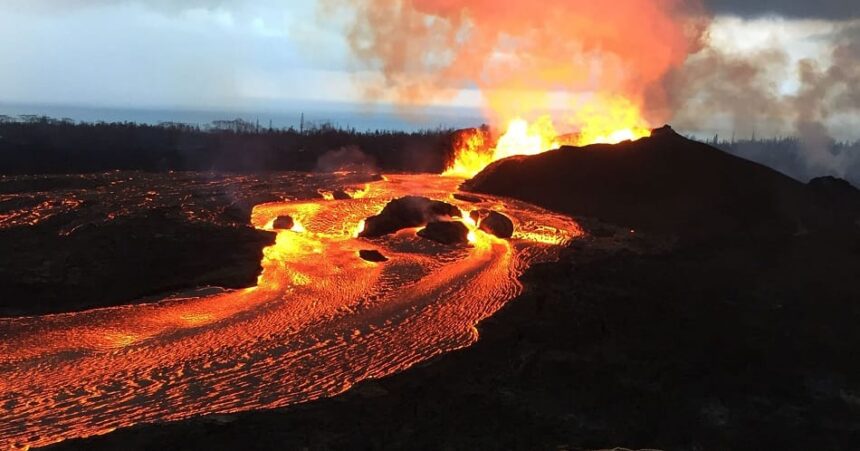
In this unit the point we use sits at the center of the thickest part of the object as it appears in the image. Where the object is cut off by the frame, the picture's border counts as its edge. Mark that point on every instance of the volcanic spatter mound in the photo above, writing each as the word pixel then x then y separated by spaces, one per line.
pixel 407 212
pixel 665 183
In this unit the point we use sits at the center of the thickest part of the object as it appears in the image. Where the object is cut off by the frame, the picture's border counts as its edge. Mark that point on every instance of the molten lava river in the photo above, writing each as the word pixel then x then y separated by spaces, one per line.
pixel 319 320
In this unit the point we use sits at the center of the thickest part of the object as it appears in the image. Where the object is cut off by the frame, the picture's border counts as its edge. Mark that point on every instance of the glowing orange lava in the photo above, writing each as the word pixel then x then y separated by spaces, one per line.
pixel 605 120
pixel 319 320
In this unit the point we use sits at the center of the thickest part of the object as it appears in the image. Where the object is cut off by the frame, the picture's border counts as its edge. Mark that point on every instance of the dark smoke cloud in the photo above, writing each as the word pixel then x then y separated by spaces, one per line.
pixel 795 9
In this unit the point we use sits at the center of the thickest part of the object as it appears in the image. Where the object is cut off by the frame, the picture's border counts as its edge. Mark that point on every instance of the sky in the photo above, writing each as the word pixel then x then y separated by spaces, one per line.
pixel 279 54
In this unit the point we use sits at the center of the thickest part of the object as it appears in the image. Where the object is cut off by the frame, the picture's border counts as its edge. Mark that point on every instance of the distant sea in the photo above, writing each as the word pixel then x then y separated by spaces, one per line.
pixel 357 116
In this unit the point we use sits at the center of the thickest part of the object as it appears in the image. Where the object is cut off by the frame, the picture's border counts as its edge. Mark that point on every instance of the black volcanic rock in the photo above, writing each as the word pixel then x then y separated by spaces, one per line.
pixel 835 191
pixel 240 210
pixel 838 201
pixel 372 255
pixel 665 183
pixel 493 223
pixel 406 212
pixel 130 237
pixel 122 261
pixel 284 222
pixel 468 198
pixel 340 195
pixel 446 232
pixel 664 131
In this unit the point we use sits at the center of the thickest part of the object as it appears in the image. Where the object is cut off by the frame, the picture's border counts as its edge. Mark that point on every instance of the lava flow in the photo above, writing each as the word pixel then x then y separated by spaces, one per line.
pixel 319 320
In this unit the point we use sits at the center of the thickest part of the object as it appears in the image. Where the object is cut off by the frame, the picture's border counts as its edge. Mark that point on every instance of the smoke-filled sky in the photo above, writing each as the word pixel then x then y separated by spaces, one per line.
pixel 775 67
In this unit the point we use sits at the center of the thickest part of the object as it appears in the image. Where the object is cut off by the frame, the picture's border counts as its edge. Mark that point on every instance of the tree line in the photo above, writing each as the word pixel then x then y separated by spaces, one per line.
pixel 799 158
pixel 39 144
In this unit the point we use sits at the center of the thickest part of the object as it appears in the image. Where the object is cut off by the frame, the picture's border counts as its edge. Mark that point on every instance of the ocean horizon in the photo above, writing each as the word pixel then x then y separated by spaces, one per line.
pixel 360 117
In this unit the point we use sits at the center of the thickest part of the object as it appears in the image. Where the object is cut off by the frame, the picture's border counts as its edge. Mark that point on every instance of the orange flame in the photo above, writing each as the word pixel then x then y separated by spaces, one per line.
pixel 609 120
pixel 606 120
pixel 471 154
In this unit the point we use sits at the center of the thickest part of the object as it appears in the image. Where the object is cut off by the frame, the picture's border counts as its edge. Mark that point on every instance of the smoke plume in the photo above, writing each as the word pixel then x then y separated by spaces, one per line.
pixel 519 54
pixel 656 54
pixel 747 88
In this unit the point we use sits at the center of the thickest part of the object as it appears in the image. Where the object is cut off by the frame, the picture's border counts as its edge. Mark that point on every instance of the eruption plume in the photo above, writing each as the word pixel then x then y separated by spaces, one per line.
pixel 526 58
pixel 568 65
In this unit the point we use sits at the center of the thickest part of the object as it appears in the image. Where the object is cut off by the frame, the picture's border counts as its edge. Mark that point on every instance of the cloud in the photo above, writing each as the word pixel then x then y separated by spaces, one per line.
pixel 170 6
pixel 795 9
pixel 127 54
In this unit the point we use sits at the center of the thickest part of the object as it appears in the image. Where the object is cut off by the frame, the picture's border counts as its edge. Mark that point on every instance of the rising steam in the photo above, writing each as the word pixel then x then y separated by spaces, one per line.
pixel 748 88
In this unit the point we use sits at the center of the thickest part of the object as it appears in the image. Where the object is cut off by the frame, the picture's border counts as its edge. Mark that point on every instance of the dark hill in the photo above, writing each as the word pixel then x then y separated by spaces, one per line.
pixel 665 183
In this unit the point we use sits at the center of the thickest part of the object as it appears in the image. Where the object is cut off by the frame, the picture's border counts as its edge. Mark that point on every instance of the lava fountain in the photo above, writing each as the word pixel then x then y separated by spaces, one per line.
pixel 605 120
pixel 594 72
